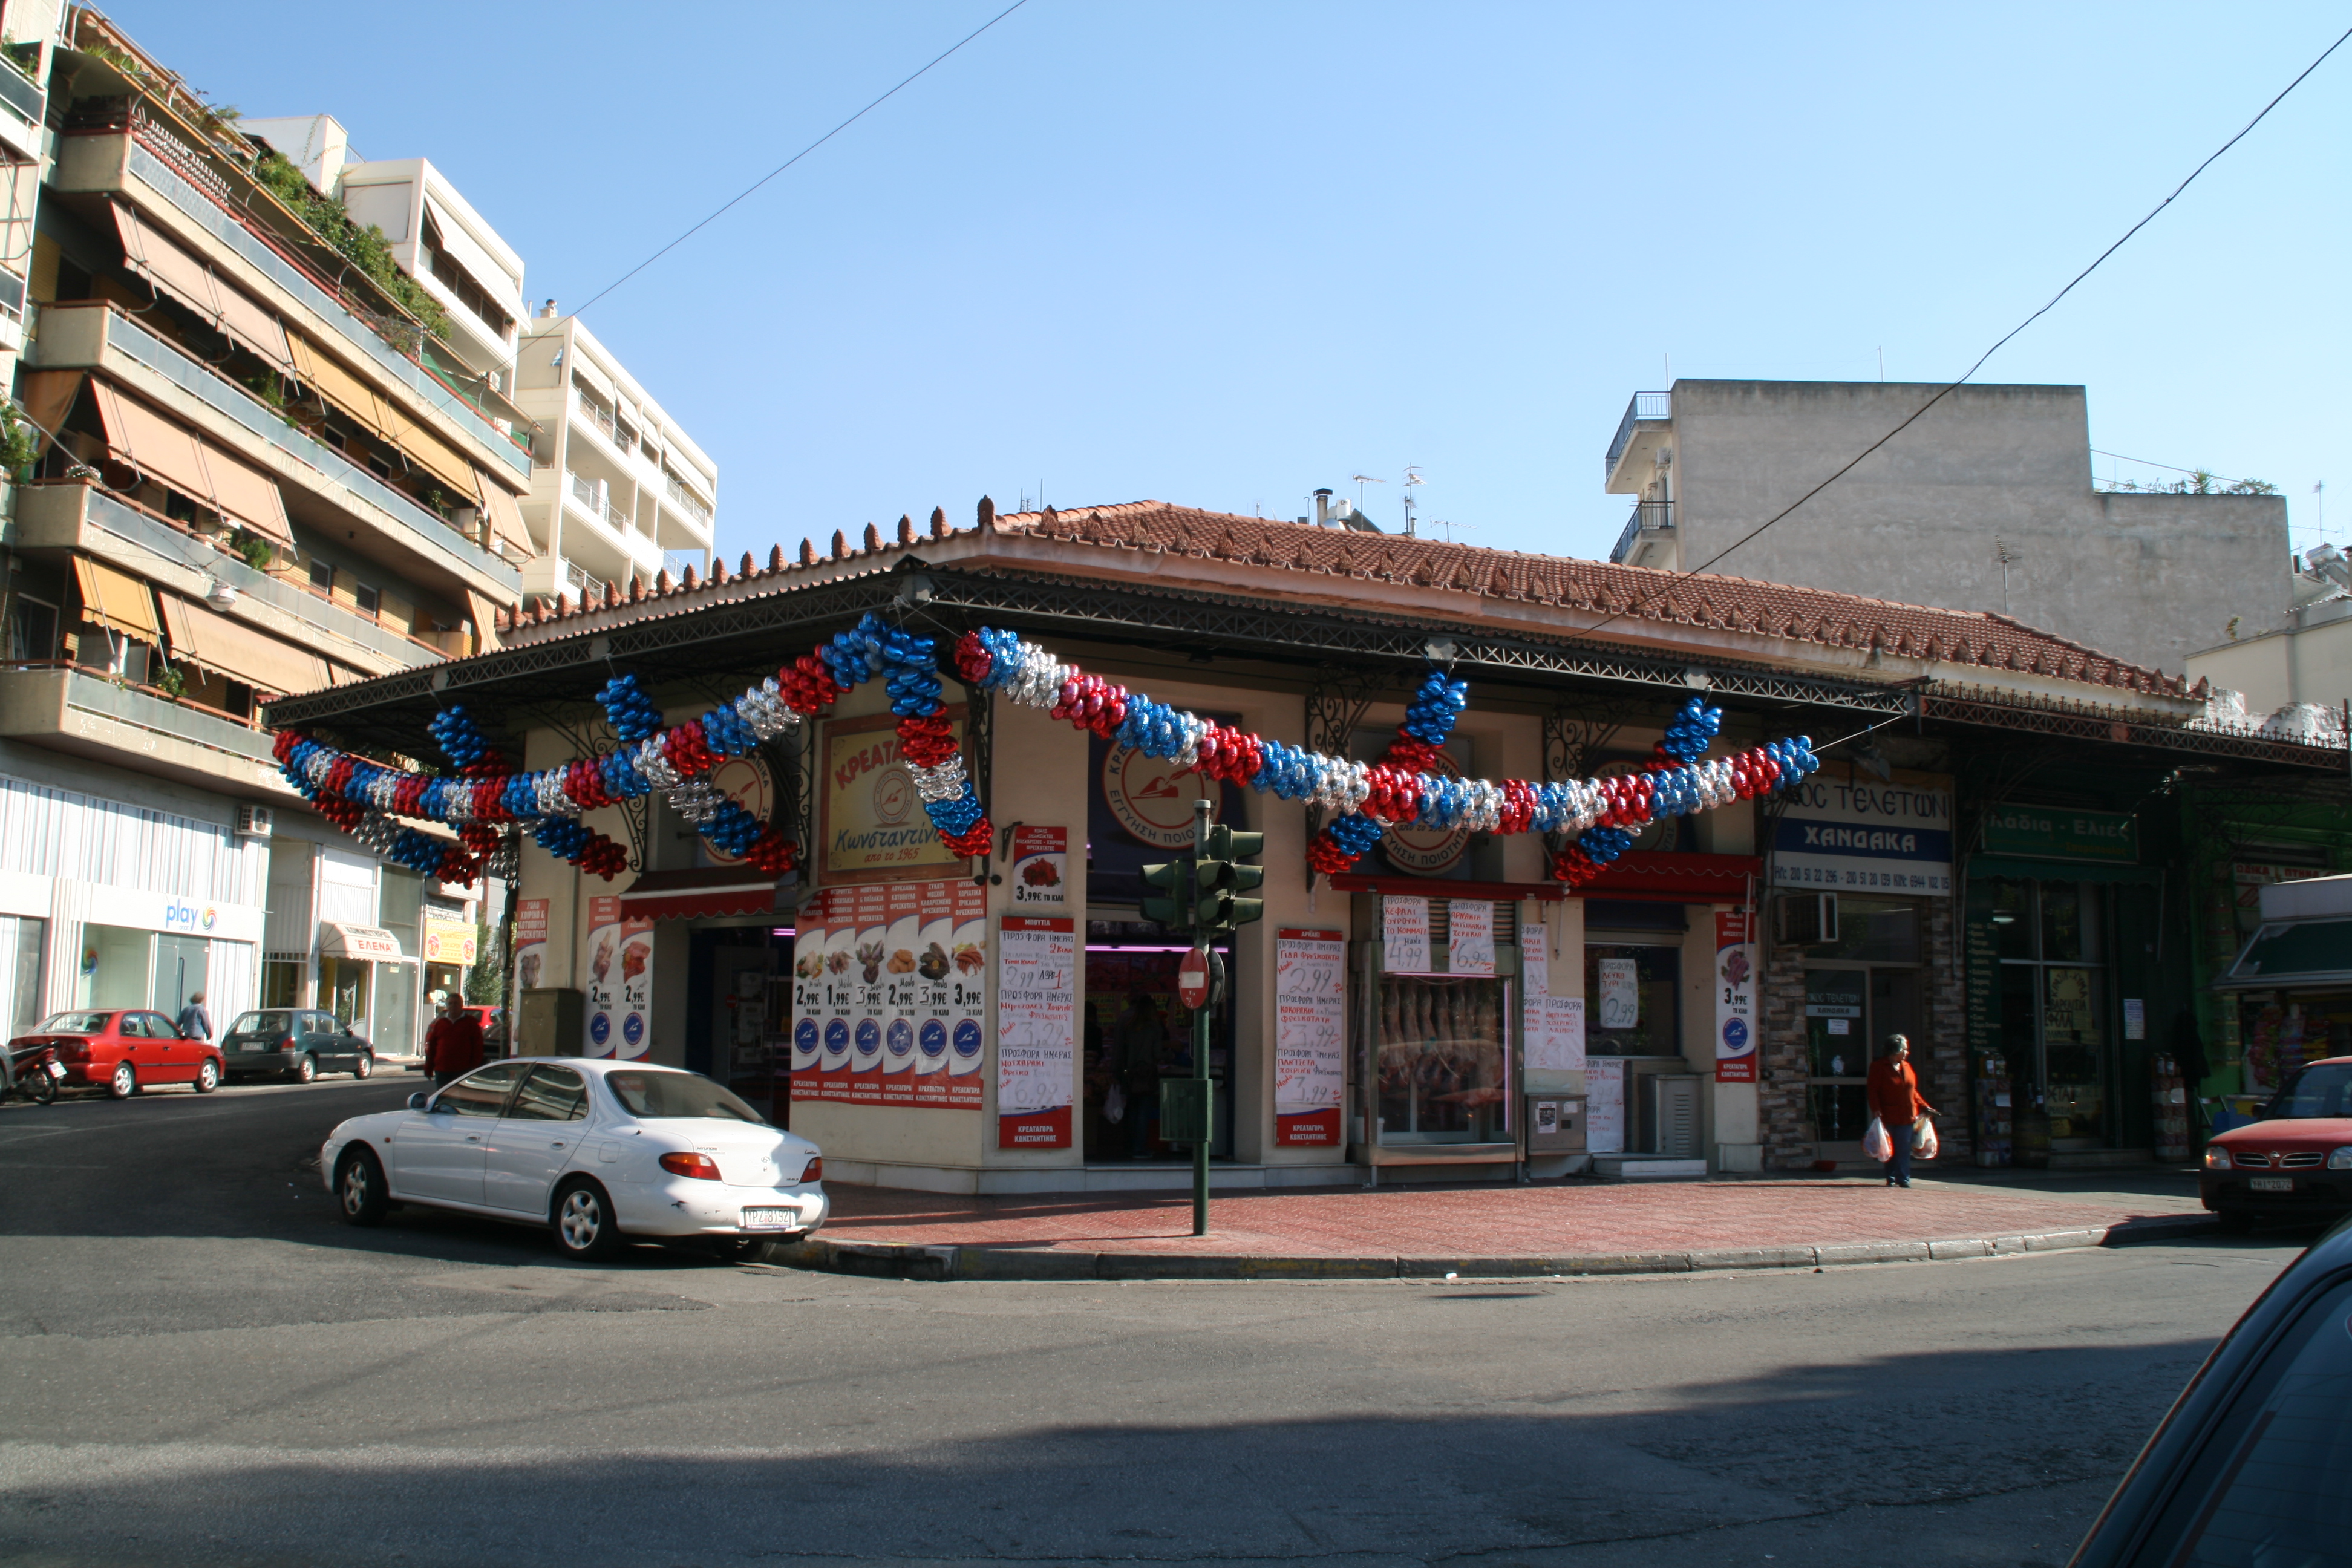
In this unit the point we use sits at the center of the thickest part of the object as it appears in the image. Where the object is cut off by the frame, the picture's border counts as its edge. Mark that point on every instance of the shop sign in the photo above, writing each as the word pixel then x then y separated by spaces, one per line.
pixel 746 782
pixel 1554 1025
pixel 869 819
pixel 1152 798
pixel 531 942
pixel 1735 998
pixel 1858 834
pixel 1041 867
pixel 889 987
pixel 1310 1036
pixel 450 942
pixel 1404 935
pixel 620 982
pixel 1036 1030
pixel 370 945
pixel 1469 937
pixel 2063 833
pixel 106 904
pixel 1428 851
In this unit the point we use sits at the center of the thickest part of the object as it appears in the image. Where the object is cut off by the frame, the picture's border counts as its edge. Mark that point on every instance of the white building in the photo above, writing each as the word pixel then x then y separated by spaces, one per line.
pixel 620 491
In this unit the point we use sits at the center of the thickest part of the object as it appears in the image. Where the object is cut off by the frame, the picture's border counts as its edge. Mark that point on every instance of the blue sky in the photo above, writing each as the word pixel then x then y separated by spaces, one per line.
pixel 1222 254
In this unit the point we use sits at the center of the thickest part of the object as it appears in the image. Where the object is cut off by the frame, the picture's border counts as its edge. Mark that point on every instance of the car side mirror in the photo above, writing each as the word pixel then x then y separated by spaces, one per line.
pixel 416 1101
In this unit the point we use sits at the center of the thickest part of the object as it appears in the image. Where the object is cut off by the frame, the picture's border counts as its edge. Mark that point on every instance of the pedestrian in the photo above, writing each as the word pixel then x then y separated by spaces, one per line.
pixel 453 1046
pixel 1142 1041
pixel 195 1024
pixel 1895 1099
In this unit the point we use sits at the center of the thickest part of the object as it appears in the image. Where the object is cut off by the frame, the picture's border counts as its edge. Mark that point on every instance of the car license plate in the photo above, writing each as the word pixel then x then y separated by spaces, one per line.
pixel 2271 1184
pixel 56 1070
pixel 770 1219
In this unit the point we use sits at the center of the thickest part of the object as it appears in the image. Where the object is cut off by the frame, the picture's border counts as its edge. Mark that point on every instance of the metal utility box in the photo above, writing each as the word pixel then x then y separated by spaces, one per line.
pixel 1555 1124
pixel 1184 1109
pixel 552 1022
pixel 1670 1114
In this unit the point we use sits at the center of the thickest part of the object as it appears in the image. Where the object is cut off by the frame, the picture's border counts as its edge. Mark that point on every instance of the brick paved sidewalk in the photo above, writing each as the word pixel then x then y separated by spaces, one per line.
pixel 1483 1221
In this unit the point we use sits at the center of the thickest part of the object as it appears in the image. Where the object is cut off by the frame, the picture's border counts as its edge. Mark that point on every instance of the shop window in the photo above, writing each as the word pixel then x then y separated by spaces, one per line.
pixel 20 969
pixel 281 982
pixel 114 969
pixel 1633 999
pixel 1441 1058
pixel 1872 930
pixel 2054 1000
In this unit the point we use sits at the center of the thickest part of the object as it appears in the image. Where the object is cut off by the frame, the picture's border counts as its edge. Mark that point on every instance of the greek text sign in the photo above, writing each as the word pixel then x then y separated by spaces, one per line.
pixel 1858 834
pixel 869 819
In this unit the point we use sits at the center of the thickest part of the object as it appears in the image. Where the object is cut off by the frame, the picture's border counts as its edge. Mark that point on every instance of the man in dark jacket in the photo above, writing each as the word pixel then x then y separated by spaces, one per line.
pixel 1895 1099
pixel 453 1046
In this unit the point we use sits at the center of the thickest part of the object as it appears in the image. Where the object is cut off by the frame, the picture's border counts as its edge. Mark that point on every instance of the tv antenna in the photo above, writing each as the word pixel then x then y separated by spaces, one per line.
pixel 1413 480
pixel 1362 480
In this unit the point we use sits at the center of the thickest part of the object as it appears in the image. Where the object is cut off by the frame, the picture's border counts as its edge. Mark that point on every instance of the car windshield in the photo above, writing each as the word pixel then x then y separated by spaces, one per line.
pixel 263 1023
pixel 652 1096
pixel 2321 1090
pixel 74 1024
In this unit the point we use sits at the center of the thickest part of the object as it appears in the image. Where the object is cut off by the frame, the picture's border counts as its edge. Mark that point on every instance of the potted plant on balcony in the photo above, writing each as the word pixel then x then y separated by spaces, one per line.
pixel 171 681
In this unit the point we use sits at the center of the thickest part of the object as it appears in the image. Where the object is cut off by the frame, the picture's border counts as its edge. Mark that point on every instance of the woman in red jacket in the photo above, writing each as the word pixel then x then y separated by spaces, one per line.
pixel 1895 1099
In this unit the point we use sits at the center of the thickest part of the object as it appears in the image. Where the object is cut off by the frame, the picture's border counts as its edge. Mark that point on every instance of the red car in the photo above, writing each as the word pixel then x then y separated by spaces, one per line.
pixel 2296 1162
pixel 126 1051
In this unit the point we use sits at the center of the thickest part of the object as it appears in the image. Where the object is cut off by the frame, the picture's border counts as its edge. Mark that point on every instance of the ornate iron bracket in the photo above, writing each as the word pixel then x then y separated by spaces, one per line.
pixel 1336 706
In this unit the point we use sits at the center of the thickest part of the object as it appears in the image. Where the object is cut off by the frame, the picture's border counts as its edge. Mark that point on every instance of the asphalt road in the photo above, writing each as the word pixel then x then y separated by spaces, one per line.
pixel 198 1365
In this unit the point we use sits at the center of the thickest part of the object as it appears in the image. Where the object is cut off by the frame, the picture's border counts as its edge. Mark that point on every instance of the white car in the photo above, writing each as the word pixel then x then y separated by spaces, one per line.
pixel 596 1151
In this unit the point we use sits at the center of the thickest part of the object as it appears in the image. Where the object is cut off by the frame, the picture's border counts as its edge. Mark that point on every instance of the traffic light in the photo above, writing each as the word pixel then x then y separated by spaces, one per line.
pixel 1221 908
pixel 1173 908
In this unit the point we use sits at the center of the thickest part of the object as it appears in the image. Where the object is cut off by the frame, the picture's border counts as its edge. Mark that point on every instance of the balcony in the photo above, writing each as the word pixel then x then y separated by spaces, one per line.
pixel 76 517
pixel 686 499
pixel 102 163
pixel 1647 407
pixel 27 103
pixel 77 335
pixel 71 709
pixel 676 562
pixel 589 495
pixel 1648 535
pixel 582 585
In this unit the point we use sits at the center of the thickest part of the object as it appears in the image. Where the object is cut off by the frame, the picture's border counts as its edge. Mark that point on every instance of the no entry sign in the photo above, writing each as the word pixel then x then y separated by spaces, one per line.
pixel 1192 979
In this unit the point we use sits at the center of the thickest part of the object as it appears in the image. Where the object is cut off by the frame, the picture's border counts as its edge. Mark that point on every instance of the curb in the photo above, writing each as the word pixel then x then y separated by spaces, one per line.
pixel 898 1261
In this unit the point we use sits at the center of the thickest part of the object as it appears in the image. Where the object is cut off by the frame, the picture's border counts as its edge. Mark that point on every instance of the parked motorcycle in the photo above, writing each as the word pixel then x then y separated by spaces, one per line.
pixel 35 1073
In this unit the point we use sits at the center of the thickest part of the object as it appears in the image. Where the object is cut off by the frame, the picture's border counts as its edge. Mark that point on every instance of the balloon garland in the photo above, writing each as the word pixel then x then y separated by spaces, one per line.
pixel 1402 789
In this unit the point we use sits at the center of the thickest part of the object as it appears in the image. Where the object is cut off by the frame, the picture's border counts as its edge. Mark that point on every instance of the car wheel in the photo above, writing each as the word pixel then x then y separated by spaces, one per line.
pixel 585 1230
pixel 307 1069
pixel 2236 1222
pixel 124 1083
pixel 43 1088
pixel 359 1188
pixel 364 1066
pixel 208 1077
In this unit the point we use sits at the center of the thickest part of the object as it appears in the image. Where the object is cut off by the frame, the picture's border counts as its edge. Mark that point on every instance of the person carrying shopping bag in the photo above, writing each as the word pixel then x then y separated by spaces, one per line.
pixel 1895 1099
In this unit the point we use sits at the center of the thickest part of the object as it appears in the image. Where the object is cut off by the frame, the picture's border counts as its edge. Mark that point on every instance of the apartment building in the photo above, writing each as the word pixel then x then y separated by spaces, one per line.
pixel 264 463
pixel 621 492
pixel 1985 503
pixel 28 37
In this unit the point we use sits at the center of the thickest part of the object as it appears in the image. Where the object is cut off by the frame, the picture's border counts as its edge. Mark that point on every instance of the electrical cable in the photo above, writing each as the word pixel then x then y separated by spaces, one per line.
pixel 1953 386
pixel 754 185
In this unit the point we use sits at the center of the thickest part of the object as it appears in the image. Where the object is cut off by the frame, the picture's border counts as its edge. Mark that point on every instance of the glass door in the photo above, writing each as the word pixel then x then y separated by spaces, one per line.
pixel 2053 1005
pixel 1837 1054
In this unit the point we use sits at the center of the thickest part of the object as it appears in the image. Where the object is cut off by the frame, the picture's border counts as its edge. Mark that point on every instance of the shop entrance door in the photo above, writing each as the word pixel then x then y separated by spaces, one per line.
pixel 1837 1058
pixel 1136 1034
pixel 180 966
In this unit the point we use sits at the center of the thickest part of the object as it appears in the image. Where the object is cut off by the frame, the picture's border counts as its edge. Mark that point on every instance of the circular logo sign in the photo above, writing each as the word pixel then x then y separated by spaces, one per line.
pixel 836 1038
pixel 1153 801
pixel 1734 1034
pixel 599 1028
pixel 869 1040
pixel 967 1039
pixel 894 797
pixel 901 1037
pixel 744 781
pixel 933 1038
pixel 1428 851
pixel 633 1028
pixel 209 917
pixel 804 1037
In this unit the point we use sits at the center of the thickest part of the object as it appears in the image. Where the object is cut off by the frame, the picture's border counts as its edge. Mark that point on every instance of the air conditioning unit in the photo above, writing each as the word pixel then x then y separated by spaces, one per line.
pixel 253 821
pixel 1803 920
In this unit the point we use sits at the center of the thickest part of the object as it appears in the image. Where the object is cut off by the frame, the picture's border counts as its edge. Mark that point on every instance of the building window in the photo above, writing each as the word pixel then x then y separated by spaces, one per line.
pixel 369 600
pixel 1633 997
pixel 2049 937
pixel 32 630
pixel 322 576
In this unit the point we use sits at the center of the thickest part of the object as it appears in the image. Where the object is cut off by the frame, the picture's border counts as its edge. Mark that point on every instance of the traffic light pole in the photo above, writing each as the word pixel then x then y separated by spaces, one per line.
pixel 1201 1045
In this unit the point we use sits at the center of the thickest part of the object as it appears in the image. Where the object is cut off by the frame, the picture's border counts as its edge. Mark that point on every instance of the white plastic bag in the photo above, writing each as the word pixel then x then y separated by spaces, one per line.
pixel 1923 1140
pixel 1876 1144
pixel 1115 1105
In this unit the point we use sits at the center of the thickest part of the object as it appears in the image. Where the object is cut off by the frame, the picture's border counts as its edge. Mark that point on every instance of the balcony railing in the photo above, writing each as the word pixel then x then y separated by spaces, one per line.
pixel 605 424
pixel 1646 405
pixel 233 400
pixel 96 694
pixel 582 585
pixel 687 499
pixel 224 225
pixel 676 562
pixel 1652 516
pixel 19 91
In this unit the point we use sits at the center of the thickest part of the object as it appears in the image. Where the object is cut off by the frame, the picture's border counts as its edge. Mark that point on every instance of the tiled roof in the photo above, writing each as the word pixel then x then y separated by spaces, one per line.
pixel 1630 596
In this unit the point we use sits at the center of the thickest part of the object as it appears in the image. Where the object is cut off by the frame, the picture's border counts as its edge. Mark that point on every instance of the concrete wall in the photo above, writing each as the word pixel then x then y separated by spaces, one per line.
pixel 1990 471
pixel 2308 663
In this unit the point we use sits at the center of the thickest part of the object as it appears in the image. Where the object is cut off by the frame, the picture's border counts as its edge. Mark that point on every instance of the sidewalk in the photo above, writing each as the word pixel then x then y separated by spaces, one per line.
pixel 1547 1230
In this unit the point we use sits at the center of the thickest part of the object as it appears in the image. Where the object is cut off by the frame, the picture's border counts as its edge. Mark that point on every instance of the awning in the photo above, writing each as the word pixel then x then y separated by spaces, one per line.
pixel 485 616
pixel 1675 877
pixel 505 513
pixel 338 387
pixel 48 397
pixel 709 890
pixel 2293 956
pixel 1448 888
pixel 116 599
pixel 172 271
pixel 429 452
pixel 230 648
pixel 190 464
pixel 372 944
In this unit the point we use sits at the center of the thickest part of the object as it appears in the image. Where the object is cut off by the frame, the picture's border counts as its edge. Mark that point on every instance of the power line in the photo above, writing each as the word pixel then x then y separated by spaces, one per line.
pixel 1953 386
pixel 796 157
